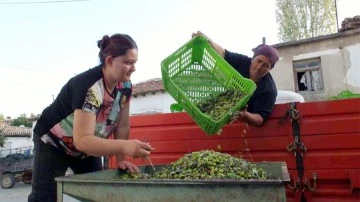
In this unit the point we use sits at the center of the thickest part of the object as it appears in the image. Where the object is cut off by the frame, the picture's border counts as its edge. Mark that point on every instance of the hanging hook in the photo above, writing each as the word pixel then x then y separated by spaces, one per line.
pixel 296 186
pixel 313 188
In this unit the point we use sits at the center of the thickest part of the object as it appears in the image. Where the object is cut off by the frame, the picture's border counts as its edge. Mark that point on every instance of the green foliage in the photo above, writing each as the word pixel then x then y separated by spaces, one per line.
pixel 2 117
pixel 302 19
pixel 22 120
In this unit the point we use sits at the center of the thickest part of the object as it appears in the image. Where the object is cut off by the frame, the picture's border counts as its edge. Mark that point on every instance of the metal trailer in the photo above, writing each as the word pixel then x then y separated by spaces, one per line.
pixel 319 141
pixel 16 167
pixel 102 186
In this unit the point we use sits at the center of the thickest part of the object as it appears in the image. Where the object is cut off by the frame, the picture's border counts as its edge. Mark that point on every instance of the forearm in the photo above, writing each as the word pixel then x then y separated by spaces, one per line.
pixel 253 119
pixel 96 146
pixel 122 133
pixel 217 48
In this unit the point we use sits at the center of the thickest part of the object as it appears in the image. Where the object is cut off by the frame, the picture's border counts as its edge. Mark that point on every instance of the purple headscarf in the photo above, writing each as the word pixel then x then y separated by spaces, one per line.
pixel 267 51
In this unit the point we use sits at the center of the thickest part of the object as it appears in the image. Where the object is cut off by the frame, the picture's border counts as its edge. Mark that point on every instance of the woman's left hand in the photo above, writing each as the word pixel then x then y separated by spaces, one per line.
pixel 132 168
pixel 239 116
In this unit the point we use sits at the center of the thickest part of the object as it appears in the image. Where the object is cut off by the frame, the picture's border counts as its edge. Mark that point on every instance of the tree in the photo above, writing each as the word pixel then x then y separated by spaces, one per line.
pixel 22 120
pixel 301 19
pixel 2 117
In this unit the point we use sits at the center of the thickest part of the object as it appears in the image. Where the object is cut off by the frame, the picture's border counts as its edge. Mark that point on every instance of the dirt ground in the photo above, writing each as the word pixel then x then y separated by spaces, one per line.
pixel 20 193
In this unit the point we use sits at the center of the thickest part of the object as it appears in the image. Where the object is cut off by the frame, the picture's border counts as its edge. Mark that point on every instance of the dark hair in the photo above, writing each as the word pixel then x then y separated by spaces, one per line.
pixel 116 45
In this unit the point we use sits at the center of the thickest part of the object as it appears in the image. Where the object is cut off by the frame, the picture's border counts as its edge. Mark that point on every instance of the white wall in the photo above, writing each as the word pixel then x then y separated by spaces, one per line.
pixel 167 101
pixel 151 103
pixel 17 142
pixel 353 72
pixel 16 145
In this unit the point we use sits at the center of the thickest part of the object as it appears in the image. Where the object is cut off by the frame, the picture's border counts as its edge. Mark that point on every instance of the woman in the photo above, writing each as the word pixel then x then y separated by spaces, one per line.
pixel 257 69
pixel 73 130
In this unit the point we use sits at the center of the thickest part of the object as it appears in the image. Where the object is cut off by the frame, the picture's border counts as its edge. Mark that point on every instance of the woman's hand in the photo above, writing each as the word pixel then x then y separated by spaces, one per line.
pixel 198 33
pixel 240 115
pixel 137 149
pixel 253 119
pixel 132 168
pixel 217 47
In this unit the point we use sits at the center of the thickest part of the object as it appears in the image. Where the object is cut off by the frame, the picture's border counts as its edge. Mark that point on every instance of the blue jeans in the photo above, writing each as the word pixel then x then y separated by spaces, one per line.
pixel 51 162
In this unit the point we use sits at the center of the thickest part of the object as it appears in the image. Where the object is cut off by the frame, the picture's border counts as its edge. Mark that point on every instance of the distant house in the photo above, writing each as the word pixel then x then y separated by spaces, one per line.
pixel 320 67
pixel 149 97
pixel 17 139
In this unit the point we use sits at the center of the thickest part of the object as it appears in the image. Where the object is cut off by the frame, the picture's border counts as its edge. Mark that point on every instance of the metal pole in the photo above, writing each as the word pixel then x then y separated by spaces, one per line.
pixel 336 11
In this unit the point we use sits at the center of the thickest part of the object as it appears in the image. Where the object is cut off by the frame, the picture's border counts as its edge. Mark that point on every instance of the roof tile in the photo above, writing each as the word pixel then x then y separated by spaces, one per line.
pixel 350 23
pixel 152 85
pixel 14 131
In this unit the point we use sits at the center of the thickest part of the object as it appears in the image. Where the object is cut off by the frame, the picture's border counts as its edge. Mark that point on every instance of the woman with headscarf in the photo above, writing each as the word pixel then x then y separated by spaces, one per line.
pixel 257 68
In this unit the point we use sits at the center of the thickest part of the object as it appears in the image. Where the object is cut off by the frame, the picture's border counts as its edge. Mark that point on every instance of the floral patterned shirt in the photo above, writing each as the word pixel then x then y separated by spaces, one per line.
pixel 85 91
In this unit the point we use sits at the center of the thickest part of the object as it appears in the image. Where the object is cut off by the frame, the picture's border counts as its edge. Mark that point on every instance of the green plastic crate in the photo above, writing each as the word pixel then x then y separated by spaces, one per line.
pixel 196 71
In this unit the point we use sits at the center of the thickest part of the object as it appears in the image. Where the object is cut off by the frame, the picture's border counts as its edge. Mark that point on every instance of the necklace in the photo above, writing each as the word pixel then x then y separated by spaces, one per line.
pixel 111 94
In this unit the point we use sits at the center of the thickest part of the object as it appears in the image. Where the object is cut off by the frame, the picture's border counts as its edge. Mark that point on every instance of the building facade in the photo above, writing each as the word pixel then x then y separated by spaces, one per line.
pixel 321 67
pixel 17 139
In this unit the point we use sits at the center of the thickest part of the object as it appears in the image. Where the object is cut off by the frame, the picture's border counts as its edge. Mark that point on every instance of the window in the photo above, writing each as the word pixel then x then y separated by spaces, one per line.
pixel 308 75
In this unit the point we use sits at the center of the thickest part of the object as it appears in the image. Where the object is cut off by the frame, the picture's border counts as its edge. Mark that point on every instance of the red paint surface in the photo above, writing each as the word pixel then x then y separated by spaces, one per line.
pixel 330 130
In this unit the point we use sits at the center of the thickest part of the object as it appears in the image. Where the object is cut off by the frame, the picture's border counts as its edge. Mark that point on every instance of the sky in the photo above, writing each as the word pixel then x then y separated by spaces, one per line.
pixel 42 45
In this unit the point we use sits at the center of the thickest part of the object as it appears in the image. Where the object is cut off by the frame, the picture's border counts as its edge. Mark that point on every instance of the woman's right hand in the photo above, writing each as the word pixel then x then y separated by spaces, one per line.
pixel 137 149
pixel 198 33
pixel 217 47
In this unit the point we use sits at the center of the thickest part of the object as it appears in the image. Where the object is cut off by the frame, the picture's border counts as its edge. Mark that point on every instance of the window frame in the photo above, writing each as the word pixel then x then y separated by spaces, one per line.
pixel 297 70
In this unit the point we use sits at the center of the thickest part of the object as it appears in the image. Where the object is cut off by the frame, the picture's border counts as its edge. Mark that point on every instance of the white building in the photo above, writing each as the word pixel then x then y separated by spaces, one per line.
pixel 18 139
pixel 320 67
pixel 149 97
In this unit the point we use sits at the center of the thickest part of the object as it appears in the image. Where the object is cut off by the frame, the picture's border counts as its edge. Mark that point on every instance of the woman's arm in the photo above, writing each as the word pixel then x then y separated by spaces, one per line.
pixel 123 128
pixel 251 118
pixel 122 132
pixel 85 140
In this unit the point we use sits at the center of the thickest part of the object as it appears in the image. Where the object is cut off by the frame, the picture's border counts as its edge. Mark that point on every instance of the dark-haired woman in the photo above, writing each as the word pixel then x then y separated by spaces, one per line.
pixel 73 130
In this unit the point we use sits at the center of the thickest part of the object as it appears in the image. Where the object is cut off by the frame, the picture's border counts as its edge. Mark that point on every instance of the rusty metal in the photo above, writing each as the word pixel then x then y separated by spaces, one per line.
pixel 292 147
pixel 295 187
pixel 292 113
pixel 102 186
pixel 308 185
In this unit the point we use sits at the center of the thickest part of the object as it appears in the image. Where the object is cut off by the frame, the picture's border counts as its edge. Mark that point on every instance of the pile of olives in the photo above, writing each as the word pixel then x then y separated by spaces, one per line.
pixel 206 165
